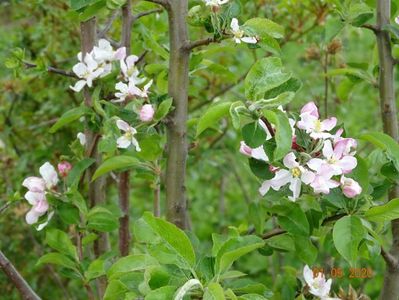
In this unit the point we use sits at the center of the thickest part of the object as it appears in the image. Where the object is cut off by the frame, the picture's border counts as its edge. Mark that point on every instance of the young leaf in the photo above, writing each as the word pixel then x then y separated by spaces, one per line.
pixel 174 238
pixel 163 293
pixel 163 109
pixel 115 163
pixel 214 292
pixel 282 99
pixel 263 76
pixel 60 241
pixel 292 218
pixel 191 284
pixel 116 290
pixel 253 134
pixel 265 27
pixel 131 263
pixel 70 116
pixel 101 219
pixel 347 235
pixel 383 213
pixel 77 171
pixel 57 259
pixel 212 116
pixel 95 269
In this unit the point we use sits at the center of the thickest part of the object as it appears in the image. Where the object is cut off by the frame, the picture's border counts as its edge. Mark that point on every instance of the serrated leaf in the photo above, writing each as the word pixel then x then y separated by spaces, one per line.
pixel 253 134
pixel 70 116
pixel 214 291
pixel 163 109
pixel 383 213
pixel 60 241
pixel 212 116
pixel 101 219
pixel 131 263
pixel 115 163
pixel 57 259
pixel 265 27
pixel 77 171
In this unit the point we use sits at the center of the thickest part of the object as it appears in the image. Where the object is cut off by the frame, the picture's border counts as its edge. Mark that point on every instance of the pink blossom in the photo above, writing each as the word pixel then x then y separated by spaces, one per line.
pixel 147 113
pixel 63 168
pixel 350 187
pixel 257 153
pixel 311 109
pixel 295 175
pixel 323 182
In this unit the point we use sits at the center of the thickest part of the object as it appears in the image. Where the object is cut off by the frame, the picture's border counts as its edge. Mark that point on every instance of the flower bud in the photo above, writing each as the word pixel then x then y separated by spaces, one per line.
pixel 147 113
pixel 63 168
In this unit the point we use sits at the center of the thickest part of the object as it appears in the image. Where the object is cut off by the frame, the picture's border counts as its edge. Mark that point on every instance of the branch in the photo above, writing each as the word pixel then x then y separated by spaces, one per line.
pixel 23 287
pixel 272 233
pixel 164 3
pixel 373 28
pixel 146 13
pixel 268 125
pixel 390 260
pixel 102 33
pixel 204 42
pixel 51 70
pixel 332 218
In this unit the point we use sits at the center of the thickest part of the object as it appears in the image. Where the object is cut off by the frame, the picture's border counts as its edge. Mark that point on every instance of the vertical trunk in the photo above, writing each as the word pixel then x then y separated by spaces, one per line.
pixel 97 188
pixel 177 131
pixel 124 183
pixel 390 289
pixel 23 287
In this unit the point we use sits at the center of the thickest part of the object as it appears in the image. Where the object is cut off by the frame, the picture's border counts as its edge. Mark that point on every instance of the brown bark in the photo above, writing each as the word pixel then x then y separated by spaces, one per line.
pixel 19 282
pixel 390 289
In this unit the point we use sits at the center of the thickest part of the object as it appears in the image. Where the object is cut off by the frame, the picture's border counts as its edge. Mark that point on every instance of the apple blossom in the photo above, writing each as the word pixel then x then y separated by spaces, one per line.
pixel 48 173
pixel 318 286
pixel 295 175
pixel 239 34
pixel 127 138
pixel 147 113
pixel 87 70
pixel 104 53
pixel 323 182
pixel 335 159
pixel 350 187
pixel 397 20
pixel 129 69
pixel 82 138
pixel 63 168
pixel 311 123
pixel 215 3
pixel 257 153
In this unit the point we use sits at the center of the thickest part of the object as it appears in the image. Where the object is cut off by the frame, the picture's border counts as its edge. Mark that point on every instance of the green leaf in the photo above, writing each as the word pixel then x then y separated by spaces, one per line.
pixel 263 76
pixel 305 249
pixel 253 134
pixel 292 218
pixel 359 13
pixel 358 73
pixel 115 163
pixel 386 143
pixel 292 85
pixel 101 219
pixel 347 234
pixel 77 199
pixel 76 173
pixel 116 290
pixel 235 109
pixel 233 249
pixel 163 109
pixel 163 293
pixel 383 213
pixel 361 174
pixel 212 116
pixel 79 4
pixel 60 241
pixel 57 259
pixel 281 242
pixel 68 213
pixel 131 263
pixel 214 292
pixel 283 134
pixel 265 27
pixel 95 269
pixel 70 116
pixel 282 99
pixel 173 238
pixel 260 168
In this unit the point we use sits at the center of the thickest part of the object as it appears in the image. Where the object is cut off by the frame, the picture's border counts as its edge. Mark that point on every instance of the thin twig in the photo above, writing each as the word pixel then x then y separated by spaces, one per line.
pixel 204 42
pixel 29 65
pixel 146 13
pixel 272 233
pixel 102 33
pixel 371 27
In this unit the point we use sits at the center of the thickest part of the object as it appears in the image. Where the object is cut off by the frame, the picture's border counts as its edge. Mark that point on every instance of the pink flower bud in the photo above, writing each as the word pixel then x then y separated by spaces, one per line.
pixel 63 168
pixel 147 113
pixel 244 149
pixel 350 187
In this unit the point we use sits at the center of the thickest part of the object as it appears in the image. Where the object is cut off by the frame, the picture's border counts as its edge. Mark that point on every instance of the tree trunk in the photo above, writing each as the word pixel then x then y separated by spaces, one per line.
pixel 97 188
pixel 177 130
pixel 390 289
pixel 23 287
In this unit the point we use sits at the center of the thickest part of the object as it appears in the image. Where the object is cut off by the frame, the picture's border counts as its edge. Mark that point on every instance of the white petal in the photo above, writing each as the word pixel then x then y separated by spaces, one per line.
pixel 259 153
pixel 34 184
pixel 123 142
pixel 265 187
pixel 234 24
pixel 78 86
pixel 122 125
pixel 135 143
pixel 328 149
pixel 249 40
pixel 290 161
pixel 32 217
pixel 308 275
pixel 49 216
pixel 281 178
pixel 79 69
pixel 82 138
pixel 48 173
pixel 295 187
pixel 33 197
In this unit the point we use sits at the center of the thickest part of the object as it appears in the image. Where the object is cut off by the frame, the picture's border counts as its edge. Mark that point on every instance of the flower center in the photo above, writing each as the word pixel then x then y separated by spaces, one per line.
pixel 238 34
pixel 129 135
pixel 296 172
pixel 317 125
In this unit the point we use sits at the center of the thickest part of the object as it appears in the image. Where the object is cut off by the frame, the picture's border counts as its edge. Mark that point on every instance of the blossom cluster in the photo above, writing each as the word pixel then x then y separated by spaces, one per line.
pixel 318 285
pixel 323 167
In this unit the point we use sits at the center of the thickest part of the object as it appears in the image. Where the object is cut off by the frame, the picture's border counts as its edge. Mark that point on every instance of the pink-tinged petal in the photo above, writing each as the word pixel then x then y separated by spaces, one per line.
pixel 307 122
pixel 311 109
pixel 249 40
pixel 328 124
pixel 264 187
pixel 48 173
pixel 147 113
pixel 307 177
pixel 295 187
pixel 245 149
pixel 34 184
pixel 328 151
pixel 290 161
pixel 122 125
pixel 78 86
pixel 41 206
pixel 32 217
pixel 131 60
pixel 259 153
pixel 315 164
pixel 123 142
pixel 281 178
pixel 63 168
pixel 34 197
pixel 350 187
pixel 120 53
pixel 347 164
pixel 308 275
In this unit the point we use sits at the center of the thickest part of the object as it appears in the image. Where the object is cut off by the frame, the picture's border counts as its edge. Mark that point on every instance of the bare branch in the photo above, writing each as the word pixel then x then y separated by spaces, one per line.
pixel 23 287
pixel 371 27
pixel 164 3
pixel 204 42
pixel 272 233
pixel 146 13
pixel 51 70
pixel 108 24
